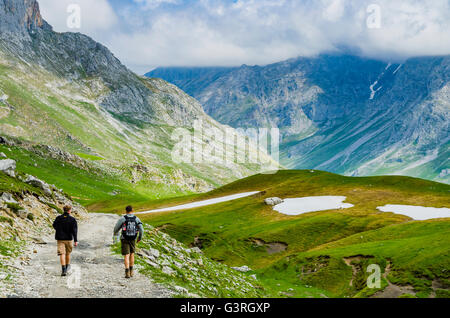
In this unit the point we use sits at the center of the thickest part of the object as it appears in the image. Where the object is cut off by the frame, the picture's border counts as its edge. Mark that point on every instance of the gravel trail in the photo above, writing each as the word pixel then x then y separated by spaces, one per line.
pixel 96 272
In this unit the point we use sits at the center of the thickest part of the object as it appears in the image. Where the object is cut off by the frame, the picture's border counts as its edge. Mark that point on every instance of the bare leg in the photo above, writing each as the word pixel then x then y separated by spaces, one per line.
pixel 131 260
pixel 67 259
pixel 62 259
pixel 127 261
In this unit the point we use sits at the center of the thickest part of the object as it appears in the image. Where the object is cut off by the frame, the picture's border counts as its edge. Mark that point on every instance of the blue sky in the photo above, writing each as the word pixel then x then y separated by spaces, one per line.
pixel 148 33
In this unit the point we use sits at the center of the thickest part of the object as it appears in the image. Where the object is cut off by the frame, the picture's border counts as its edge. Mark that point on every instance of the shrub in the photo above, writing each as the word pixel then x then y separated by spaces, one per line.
pixel 14 207
pixel 30 216
pixel 4 219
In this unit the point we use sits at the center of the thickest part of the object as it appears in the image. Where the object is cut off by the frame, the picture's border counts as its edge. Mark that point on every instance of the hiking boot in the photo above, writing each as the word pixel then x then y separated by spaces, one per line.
pixel 127 273
pixel 131 272
pixel 64 271
pixel 67 268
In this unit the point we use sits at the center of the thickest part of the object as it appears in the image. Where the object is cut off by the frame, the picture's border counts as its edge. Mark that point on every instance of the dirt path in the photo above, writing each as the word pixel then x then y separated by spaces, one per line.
pixel 96 272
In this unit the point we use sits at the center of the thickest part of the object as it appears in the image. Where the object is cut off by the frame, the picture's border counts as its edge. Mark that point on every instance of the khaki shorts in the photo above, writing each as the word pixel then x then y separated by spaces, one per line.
pixel 128 247
pixel 64 247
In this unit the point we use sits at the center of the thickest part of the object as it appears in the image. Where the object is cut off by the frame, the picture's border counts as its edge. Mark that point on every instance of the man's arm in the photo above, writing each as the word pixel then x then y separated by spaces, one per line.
pixel 118 226
pixel 75 231
pixel 141 229
pixel 55 222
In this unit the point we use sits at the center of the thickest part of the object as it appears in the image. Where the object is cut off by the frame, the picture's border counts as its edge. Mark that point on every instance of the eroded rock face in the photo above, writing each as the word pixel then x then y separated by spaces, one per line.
pixel 75 57
pixel 337 113
pixel 20 16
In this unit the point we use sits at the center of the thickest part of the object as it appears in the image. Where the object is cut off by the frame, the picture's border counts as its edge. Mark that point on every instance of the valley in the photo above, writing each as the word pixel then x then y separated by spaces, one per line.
pixel 336 112
pixel 366 143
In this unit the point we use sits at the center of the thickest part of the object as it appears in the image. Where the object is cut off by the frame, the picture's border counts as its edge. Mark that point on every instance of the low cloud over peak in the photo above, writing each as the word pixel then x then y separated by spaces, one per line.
pixel 149 33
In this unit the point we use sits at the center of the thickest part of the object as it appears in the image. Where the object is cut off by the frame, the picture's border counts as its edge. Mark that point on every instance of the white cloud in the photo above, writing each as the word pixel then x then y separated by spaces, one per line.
pixel 146 33
pixel 152 4
pixel 96 15
pixel 334 10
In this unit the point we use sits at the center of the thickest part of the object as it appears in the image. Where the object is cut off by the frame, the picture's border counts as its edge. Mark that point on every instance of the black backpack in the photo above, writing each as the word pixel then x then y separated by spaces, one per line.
pixel 130 228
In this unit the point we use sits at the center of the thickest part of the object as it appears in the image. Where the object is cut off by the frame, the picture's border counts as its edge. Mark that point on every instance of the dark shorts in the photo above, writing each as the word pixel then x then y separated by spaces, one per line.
pixel 128 247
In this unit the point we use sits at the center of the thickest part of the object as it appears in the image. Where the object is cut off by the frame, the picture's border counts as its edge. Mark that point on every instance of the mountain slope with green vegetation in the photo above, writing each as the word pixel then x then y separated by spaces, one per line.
pixel 66 91
pixel 308 253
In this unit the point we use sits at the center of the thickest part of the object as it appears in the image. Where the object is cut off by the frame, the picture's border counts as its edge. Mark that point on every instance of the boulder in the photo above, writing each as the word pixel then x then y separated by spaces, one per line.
pixel 153 264
pixel 8 166
pixel 149 257
pixel 7 198
pixel 196 250
pixel 60 198
pixel 39 184
pixel 168 271
pixel 164 263
pixel 243 269
pixel 273 201
pixel 152 252
pixel 178 265
pixel 2 155
pixel 4 141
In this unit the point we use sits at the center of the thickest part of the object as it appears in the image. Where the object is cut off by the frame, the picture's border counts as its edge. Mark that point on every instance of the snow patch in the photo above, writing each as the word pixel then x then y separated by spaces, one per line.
pixel 397 69
pixel 297 206
pixel 374 91
pixel 203 203
pixel 418 213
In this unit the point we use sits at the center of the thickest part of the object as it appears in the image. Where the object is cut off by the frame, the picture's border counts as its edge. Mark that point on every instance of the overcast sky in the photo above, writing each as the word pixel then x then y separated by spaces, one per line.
pixel 145 34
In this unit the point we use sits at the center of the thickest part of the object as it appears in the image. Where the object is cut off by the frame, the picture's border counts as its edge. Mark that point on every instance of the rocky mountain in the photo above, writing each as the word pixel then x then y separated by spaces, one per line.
pixel 66 91
pixel 339 113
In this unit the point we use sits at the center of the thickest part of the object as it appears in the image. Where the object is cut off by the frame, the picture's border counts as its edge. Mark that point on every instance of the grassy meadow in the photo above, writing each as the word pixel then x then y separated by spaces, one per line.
pixel 318 244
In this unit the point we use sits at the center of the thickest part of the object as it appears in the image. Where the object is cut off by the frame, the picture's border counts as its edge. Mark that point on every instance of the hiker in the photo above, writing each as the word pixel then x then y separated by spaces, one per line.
pixel 66 231
pixel 132 228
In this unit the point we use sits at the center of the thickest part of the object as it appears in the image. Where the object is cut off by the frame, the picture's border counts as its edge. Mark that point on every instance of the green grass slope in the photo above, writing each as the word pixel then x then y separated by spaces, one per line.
pixel 90 186
pixel 41 107
pixel 241 232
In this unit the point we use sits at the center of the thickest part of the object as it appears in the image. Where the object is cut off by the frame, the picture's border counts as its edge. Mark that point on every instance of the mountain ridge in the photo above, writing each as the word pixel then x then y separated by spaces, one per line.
pixel 67 91
pixel 341 113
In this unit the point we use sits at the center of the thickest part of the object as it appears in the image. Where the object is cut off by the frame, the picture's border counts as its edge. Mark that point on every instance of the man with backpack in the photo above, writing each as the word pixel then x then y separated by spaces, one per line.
pixel 132 228
pixel 66 231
